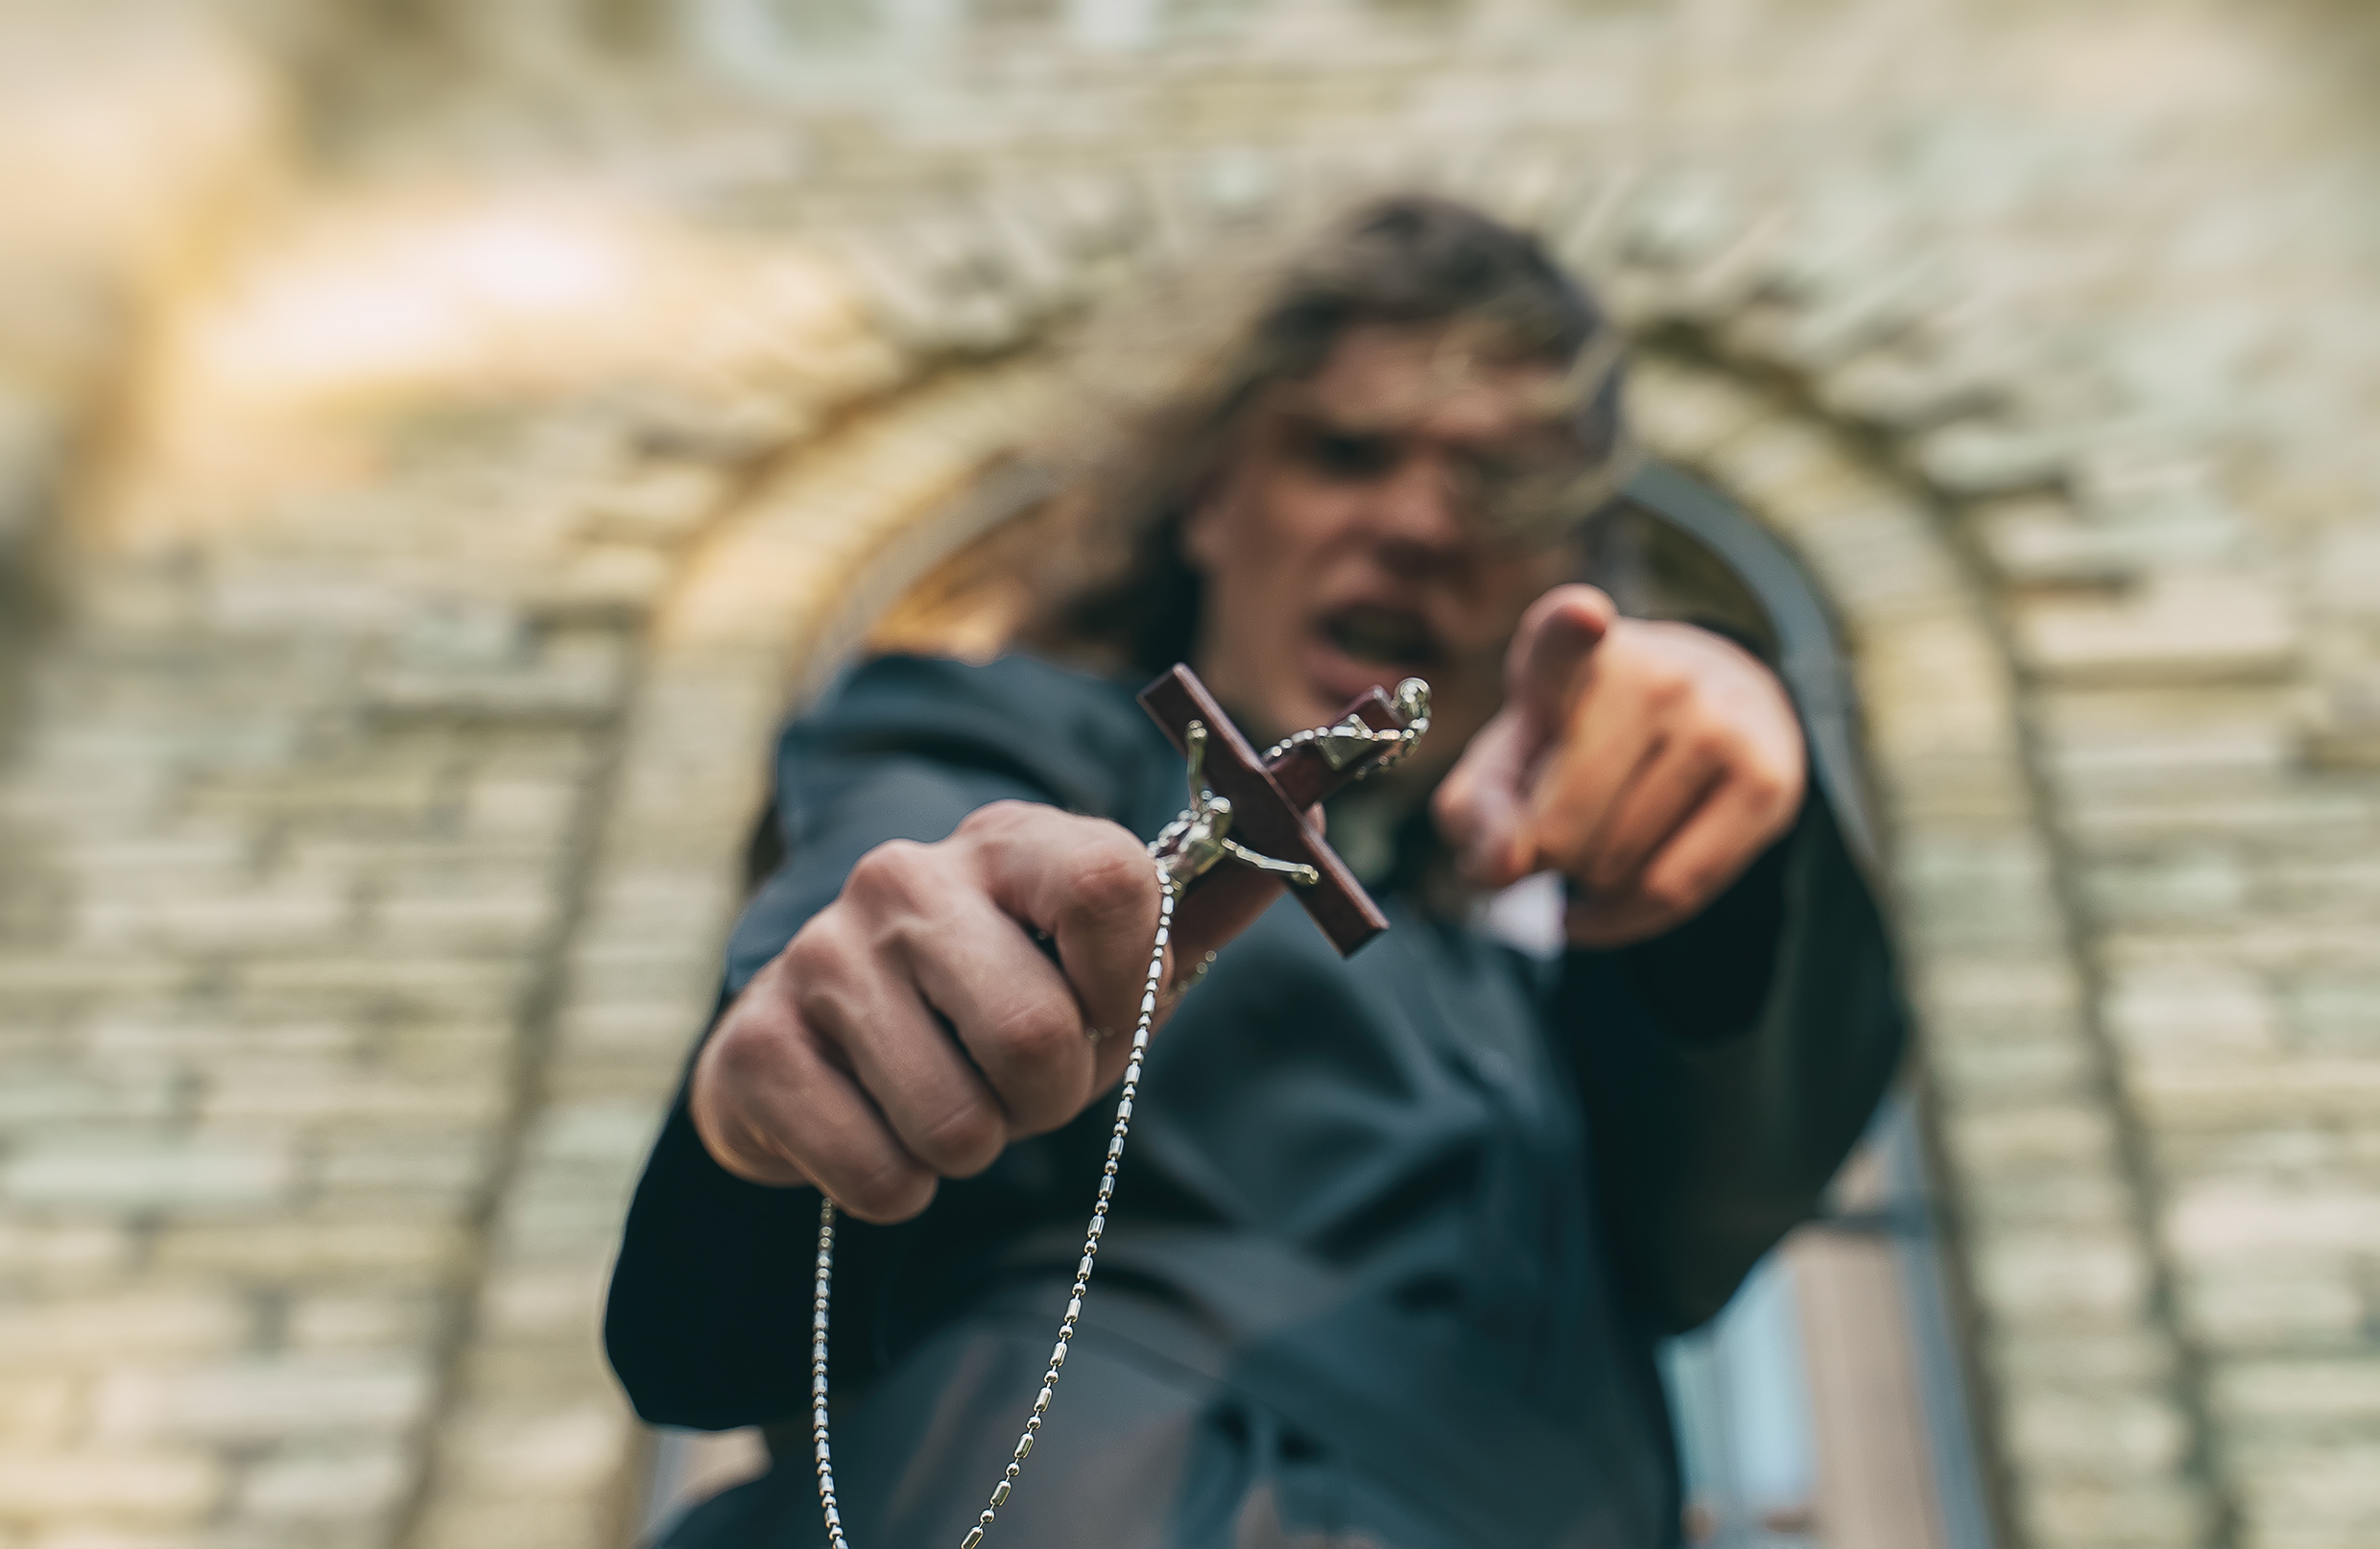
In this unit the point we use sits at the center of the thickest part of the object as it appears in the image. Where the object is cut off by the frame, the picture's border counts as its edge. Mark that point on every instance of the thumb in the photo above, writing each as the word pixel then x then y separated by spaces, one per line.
pixel 1483 807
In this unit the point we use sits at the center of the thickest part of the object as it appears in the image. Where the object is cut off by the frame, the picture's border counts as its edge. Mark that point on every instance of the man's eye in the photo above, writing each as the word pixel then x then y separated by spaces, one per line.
pixel 1338 455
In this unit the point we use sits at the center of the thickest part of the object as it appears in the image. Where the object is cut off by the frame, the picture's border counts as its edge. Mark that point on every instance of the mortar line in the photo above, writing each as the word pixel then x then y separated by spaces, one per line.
pixel 527 1070
pixel 2188 1385
pixel 525 1099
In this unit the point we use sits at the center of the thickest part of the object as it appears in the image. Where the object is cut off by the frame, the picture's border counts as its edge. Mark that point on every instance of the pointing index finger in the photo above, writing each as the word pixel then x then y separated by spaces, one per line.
pixel 1558 633
pixel 1484 806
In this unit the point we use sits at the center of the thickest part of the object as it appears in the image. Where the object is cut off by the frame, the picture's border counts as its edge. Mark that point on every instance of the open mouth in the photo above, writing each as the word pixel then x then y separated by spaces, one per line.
pixel 1381 636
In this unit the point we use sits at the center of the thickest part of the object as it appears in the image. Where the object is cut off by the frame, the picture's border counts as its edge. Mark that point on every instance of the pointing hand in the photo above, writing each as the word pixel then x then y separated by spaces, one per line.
pixel 1647 762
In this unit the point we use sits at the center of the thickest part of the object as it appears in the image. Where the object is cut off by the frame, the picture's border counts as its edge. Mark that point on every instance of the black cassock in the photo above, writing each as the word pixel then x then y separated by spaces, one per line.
pixel 1394 1237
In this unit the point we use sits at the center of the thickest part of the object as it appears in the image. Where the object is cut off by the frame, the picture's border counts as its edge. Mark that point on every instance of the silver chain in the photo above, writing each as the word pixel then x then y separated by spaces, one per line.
pixel 1082 1274
pixel 1404 737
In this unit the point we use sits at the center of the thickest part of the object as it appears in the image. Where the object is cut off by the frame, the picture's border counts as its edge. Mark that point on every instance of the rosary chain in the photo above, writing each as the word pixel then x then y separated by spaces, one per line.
pixel 1403 736
pixel 824 1280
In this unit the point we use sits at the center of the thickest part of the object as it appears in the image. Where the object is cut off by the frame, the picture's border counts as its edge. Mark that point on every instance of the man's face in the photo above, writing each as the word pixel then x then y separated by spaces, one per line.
pixel 1341 548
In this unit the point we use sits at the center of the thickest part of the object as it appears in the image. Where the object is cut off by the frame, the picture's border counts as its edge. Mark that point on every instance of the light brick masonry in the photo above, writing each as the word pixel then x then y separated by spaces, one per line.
pixel 375 809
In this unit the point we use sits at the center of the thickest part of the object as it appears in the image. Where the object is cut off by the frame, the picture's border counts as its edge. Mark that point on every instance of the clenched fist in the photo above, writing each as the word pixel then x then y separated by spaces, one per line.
pixel 1647 762
pixel 916 1025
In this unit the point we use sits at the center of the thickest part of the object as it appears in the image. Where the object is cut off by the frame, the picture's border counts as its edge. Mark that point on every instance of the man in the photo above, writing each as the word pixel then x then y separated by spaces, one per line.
pixel 1396 1236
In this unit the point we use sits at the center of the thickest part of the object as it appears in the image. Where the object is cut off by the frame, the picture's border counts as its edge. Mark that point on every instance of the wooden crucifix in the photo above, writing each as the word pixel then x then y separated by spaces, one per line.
pixel 1249 823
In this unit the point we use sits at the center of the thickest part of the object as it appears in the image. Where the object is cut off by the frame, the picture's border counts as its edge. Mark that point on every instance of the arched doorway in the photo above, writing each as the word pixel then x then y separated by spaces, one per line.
pixel 1859 1337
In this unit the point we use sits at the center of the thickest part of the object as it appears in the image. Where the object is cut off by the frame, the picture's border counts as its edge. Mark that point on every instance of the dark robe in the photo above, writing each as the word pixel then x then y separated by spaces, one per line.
pixel 1395 1238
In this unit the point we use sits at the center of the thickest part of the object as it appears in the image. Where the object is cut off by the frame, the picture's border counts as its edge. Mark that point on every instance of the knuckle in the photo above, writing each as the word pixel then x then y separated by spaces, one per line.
pixel 886 1191
pixel 754 1035
pixel 1564 835
pixel 1766 788
pixel 818 966
pixel 746 1048
pixel 1714 742
pixel 1114 877
pixel 994 819
pixel 809 953
pixel 891 873
pixel 1666 686
pixel 826 1006
pixel 1673 892
pixel 1032 1033
pixel 964 1140
pixel 823 987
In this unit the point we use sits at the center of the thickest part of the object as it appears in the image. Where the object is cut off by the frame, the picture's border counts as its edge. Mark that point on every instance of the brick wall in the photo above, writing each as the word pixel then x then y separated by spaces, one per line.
pixel 374 812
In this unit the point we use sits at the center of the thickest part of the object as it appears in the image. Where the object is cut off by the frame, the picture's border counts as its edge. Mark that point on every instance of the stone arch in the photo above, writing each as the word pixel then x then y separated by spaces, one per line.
pixel 1847 400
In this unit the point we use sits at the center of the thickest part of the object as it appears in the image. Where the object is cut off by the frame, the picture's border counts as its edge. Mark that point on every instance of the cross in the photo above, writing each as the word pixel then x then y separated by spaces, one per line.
pixel 1270 803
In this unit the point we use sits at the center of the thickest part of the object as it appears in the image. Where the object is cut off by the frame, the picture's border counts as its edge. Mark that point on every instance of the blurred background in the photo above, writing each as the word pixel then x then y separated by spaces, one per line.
pixel 439 442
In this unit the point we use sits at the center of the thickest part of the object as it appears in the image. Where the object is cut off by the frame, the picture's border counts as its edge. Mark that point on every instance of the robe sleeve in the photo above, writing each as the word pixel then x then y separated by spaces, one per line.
pixel 1728 1068
pixel 706 1324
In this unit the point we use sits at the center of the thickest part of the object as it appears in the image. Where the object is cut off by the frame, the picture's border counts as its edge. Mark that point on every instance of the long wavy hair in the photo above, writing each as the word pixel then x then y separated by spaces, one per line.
pixel 1112 587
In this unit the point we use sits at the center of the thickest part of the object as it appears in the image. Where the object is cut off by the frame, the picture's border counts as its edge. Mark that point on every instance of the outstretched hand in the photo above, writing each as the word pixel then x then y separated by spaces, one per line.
pixel 1647 762
pixel 916 1026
